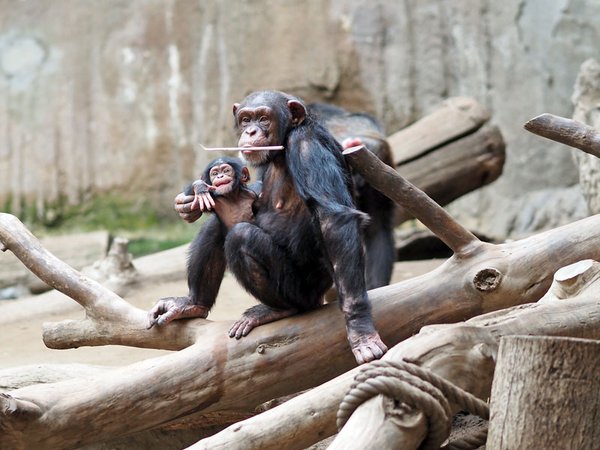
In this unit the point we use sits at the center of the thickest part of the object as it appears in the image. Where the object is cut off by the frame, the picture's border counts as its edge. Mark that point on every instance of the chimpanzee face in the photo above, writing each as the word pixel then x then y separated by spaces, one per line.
pixel 222 176
pixel 257 127
pixel 226 174
pixel 264 119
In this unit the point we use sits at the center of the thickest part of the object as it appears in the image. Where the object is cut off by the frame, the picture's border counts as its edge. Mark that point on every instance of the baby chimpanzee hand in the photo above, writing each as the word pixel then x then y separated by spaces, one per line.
pixel 203 198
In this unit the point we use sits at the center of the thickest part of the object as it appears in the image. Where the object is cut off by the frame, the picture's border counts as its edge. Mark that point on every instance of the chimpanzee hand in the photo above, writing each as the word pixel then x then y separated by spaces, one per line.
pixel 203 198
pixel 168 309
pixel 351 142
pixel 187 207
pixel 366 347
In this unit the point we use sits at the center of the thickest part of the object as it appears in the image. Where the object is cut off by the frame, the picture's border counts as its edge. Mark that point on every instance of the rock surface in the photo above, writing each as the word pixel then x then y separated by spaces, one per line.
pixel 586 99
pixel 115 97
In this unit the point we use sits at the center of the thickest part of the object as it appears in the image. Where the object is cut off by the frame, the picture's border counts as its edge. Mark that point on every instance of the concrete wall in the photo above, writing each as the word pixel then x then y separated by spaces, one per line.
pixel 114 95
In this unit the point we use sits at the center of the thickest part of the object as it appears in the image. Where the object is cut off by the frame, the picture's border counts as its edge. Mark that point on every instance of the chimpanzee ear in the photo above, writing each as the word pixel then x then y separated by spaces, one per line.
pixel 298 111
pixel 245 175
pixel 236 106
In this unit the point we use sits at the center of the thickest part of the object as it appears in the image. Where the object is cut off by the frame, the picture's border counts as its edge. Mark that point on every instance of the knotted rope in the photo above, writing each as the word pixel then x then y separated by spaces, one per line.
pixel 408 383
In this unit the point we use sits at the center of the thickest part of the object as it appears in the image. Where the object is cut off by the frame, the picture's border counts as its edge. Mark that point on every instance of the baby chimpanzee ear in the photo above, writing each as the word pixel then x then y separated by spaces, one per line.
pixel 245 175
pixel 298 111
pixel 236 106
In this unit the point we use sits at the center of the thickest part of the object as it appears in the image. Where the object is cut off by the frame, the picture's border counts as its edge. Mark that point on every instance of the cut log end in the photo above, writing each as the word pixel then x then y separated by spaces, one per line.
pixel 571 279
pixel 568 275
pixel 354 149
pixel 15 409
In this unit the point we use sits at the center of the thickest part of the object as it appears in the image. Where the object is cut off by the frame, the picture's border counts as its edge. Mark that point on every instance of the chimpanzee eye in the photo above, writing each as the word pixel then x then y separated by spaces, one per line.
pixel 264 120
pixel 245 120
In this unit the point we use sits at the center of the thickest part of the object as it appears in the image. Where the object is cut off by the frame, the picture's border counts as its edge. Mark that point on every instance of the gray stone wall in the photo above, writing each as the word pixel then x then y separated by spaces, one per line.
pixel 114 95
pixel 586 99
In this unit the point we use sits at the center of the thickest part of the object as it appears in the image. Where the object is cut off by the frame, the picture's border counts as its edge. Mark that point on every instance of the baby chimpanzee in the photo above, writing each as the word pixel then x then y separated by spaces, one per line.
pixel 224 189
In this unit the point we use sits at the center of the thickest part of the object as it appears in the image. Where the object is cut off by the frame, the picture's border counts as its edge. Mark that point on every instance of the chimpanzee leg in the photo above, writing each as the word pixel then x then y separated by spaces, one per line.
pixel 206 263
pixel 206 267
pixel 265 271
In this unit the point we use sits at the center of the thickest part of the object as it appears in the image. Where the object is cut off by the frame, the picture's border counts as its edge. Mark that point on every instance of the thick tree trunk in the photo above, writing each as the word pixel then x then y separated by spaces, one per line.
pixel 463 353
pixel 447 154
pixel 212 375
pixel 546 394
pixel 454 118
pixel 457 168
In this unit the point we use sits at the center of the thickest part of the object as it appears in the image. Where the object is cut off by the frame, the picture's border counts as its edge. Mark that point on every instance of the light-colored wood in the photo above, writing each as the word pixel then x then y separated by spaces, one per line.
pixel 415 201
pixel 78 250
pixel 545 394
pixel 280 358
pixel 456 169
pixel 379 425
pixel 455 117
pixel 464 353
pixel 566 131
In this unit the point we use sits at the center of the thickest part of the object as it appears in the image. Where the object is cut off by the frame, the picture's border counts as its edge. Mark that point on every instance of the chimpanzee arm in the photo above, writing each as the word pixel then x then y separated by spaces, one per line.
pixel 315 161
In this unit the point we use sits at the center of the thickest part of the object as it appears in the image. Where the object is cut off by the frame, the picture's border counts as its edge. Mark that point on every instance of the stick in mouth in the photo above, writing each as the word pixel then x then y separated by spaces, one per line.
pixel 241 149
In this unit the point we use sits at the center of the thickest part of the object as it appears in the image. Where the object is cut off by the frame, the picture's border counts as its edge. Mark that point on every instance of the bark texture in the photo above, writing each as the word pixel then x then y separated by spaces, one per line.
pixel 546 394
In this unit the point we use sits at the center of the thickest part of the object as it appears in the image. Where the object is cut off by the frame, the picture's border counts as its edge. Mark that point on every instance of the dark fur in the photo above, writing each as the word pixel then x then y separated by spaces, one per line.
pixel 206 257
pixel 306 232
pixel 379 233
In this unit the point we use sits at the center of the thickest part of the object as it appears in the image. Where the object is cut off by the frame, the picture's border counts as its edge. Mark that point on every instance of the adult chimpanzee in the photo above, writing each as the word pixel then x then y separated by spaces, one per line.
pixel 306 231
pixel 352 129
pixel 224 189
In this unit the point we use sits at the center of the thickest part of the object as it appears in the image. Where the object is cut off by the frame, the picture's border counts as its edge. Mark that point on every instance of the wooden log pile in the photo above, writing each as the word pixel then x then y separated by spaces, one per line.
pixel 212 375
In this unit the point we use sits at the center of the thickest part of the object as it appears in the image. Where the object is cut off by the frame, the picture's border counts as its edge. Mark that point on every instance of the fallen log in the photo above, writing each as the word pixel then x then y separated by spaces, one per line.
pixel 457 168
pixel 463 353
pixel 448 153
pixel 452 119
pixel 212 374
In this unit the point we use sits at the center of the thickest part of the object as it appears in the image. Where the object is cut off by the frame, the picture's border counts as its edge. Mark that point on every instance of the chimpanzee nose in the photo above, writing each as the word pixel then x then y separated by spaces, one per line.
pixel 251 131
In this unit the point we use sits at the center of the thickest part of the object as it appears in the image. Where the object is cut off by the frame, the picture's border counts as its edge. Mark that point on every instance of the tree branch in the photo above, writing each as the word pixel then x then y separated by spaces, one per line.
pixel 463 353
pixel 566 131
pixel 109 318
pixel 396 187
pixel 280 357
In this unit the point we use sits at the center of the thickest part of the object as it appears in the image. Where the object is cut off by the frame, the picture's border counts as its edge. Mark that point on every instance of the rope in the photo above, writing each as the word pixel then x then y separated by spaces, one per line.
pixel 408 383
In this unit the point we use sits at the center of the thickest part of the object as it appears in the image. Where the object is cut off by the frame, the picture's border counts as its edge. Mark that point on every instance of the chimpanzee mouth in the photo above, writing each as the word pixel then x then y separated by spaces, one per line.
pixel 220 183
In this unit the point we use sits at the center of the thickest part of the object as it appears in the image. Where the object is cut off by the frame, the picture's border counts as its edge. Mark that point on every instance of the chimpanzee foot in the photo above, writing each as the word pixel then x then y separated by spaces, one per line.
pixel 168 309
pixel 366 347
pixel 256 316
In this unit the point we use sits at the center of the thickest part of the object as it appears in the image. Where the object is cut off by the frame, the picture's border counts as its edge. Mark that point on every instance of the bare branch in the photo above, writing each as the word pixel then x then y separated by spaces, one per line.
pixel 396 187
pixel 109 318
pixel 566 131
